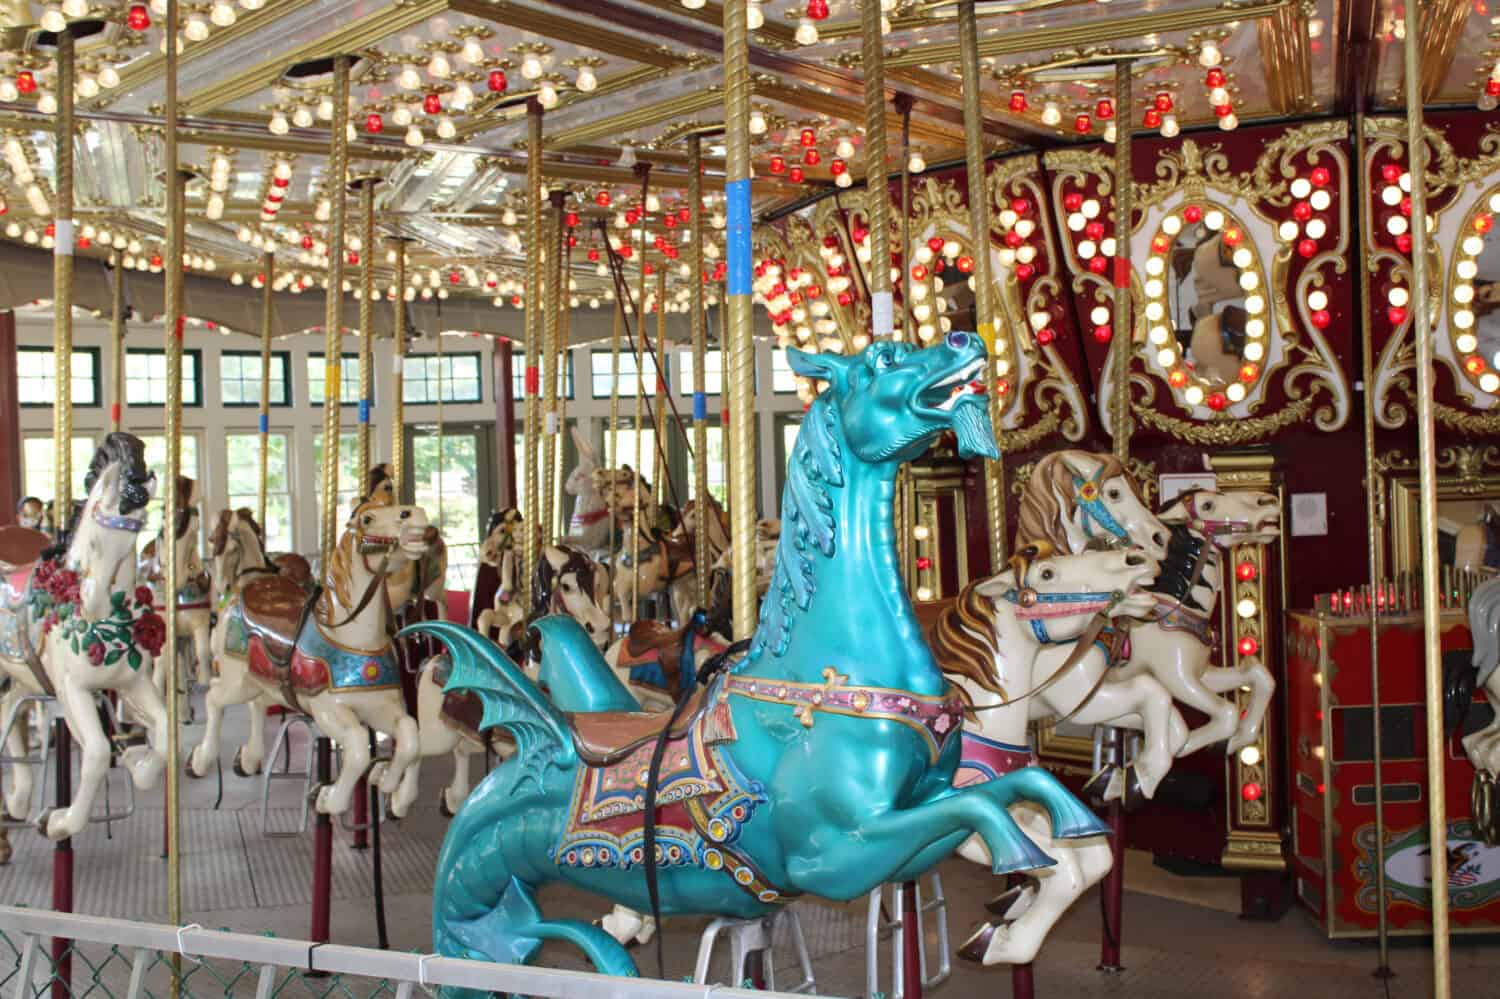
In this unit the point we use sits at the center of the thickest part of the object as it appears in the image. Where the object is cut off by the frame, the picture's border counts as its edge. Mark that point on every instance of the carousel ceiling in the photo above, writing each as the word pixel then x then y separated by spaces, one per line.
pixel 436 113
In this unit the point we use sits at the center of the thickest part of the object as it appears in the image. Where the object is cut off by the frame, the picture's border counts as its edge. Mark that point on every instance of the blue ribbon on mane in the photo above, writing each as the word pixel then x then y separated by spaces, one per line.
pixel 1095 510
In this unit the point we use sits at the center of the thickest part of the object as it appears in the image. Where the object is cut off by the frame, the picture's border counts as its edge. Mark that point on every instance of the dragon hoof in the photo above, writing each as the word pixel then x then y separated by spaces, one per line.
pixel 974 948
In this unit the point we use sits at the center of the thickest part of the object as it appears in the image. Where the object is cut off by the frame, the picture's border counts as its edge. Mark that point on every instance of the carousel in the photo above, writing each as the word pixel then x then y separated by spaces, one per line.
pixel 628 498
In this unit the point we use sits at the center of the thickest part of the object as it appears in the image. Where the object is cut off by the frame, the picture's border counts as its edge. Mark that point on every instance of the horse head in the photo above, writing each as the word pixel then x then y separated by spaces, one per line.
pixel 1238 518
pixel 500 535
pixel 102 532
pixel 380 487
pixel 1080 500
pixel 567 581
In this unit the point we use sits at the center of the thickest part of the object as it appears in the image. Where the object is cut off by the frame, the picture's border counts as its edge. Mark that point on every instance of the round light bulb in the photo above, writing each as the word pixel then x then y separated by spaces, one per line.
pixel 1051 114
pixel 757 123
pixel 1169 126
pixel 806 33
pixel 531 67
pixel 302 117
pixel 75 8
pixel 325 109
pixel 47 104
pixel 53 20
pixel 222 14
pixel 463 96
pixel 401 115
pixel 109 78
pixel 445 128
pixel 472 52
pixel 8 91
pixel 409 78
pixel 438 66
pixel 414 136
pixel 87 86
pixel 844 150
pixel 587 82
pixel 916 164
pixel 754 19
pixel 196 29
pixel 547 96
pixel 1209 56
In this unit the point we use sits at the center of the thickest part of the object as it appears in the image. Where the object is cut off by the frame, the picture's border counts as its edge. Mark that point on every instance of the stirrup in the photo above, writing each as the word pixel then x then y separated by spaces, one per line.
pixel 305 775
pixel 878 928
pixel 750 936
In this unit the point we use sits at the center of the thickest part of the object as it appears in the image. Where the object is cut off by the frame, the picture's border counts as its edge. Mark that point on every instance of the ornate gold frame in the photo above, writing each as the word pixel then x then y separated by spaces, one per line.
pixel 1475 475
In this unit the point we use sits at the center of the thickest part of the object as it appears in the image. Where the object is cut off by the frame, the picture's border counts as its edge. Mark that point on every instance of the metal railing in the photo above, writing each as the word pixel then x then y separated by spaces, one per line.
pixel 127 959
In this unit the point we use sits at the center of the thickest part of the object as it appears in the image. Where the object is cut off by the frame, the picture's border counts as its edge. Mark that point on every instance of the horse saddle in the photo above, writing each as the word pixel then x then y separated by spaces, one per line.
pixel 20 549
pixel 606 737
pixel 274 608
pixel 294 567
pixel 681 551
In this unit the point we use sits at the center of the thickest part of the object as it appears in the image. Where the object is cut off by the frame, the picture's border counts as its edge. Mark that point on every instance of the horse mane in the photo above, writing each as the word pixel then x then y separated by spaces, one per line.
pixel 218 538
pixel 963 641
pixel 1174 578
pixel 1048 499
pixel 130 452
pixel 544 578
pixel 1484 624
pixel 338 572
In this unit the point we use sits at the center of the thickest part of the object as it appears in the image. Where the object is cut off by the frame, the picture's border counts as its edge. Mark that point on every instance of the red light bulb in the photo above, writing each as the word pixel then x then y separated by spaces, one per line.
pixel 966 264
pixel 1248 646
pixel 1163 102
pixel 1250 792
pixel 374 124
pixel 1217 401
pixel 497 81
pixel 1306 248
pixel 1215 78
pixel 1177 378
pixel 432 104
pixel 571 220
pixel 1320 176
pixel 935 244
pixel 593 254
pixel 26 81
pixel 1152 118
pixel 1103 333
pixel 808 137
pixel 838 168
pixel 1249 372
pixel 817 10
pixel 1193 213
pixel 1018 101
pixel 602 199
pixel 1245 572
pixel 1046 335
pixel 795 175
pixel 778 164
pixel 1105 109
pixel 137 18
pixel 307 242
pixel 1083 124
pixel 811 157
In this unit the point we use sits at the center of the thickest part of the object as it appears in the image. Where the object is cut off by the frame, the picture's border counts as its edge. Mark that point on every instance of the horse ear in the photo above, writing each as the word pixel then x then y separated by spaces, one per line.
pixel 823 366
pixel 586 451
pixel 1081 463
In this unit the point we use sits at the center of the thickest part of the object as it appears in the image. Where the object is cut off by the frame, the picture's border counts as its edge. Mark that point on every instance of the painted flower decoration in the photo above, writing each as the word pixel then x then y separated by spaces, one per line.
pixel 150 632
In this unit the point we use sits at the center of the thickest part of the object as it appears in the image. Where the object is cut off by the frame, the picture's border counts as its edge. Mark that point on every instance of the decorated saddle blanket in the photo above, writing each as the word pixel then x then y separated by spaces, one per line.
pixel 1173 616
pixel 193 595
pixel 318 663
pixel 984 760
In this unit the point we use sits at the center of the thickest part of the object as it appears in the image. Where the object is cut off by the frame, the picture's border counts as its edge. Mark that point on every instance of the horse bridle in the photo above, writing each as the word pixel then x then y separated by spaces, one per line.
pixel 116 521
pixel 1212 528
pixel 1086 493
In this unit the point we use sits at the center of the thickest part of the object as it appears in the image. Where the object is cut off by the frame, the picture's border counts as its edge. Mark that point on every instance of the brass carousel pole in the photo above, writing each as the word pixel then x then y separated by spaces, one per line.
pixel 612 450
pixel 903 104
pixel 737 338
pixel 530 505
pixel 979 234
pixel 398 346
pixel 116 345
pixel 366 188
pixel 659 412
pixel 644 171
pixel 1123 339
pixel 555 303
pixel 333 319
pixel 700 354
pixel 1437 801
pixel 176 231
pixel 877 194
pixel 62 284
pixel 268 267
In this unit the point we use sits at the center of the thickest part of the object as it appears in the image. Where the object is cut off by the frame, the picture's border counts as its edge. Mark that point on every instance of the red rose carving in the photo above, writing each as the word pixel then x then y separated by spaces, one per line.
pixel 96 653
pixel 150 632
pixel 63 585
pixel 144 596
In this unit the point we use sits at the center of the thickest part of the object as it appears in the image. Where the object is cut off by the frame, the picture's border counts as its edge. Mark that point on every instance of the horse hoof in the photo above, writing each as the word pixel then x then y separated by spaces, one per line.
pixel 1001 905
pixel 443 808
pixel 187 768
pixel 4 849
pixel 1096 789
pixel 974 948
pixel 1134 796
pixel 238 767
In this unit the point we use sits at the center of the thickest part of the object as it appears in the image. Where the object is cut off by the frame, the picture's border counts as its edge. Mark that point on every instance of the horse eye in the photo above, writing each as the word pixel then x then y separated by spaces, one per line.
pixel 1114 494
pixel 1047 574
pixel 369 520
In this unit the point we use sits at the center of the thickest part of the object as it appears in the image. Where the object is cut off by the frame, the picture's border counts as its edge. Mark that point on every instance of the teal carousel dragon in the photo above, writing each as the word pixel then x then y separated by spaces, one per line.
pixel 822 763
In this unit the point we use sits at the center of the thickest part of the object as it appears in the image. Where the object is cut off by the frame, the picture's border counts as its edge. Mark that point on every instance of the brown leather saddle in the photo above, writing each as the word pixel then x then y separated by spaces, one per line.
pixel 648 636
pixel 606 737
pixel 21 548
pixel 294 567
pixel 275 607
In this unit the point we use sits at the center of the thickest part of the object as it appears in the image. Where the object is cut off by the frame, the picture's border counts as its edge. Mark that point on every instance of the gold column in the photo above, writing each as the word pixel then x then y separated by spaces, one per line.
pixel 62 282
pixel 659 413
pixel 612 446
pixel 398 345
pixel 644 171
pixel 984 288
pixel 116 346
pixel 903 102
pixel 1124 339
pixel 530 506
pixel 268 266
pixel 737 339
pixel 700 354
pixel 333 319
pixel 366 187
pixel 555 302
pixel 877 195
pixel 1422 330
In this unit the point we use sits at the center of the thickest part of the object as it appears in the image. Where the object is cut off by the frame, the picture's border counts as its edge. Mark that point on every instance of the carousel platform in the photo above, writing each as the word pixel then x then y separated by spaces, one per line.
pixel 1182 938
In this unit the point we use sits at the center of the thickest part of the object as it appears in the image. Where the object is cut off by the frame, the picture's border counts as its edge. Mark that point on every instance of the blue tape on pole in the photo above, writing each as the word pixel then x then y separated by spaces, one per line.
pixel 364 410
pixel 265 423
pixel 737 235
pixel 700 406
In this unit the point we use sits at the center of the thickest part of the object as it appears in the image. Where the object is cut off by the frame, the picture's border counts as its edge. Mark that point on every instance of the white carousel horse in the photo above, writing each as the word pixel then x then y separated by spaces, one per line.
pixel 498 551
pixel 989 642
pixel 589 526
pixel 1477 545
pixel 667 562
pixel 426 577
pixel 1483 746
pixel 193 602
pixel 1176 645
pixel 77 625
pixel 333 659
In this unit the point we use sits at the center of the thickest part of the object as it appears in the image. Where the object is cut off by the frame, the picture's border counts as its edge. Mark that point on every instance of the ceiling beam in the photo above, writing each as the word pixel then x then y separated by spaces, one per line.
pixel 569 30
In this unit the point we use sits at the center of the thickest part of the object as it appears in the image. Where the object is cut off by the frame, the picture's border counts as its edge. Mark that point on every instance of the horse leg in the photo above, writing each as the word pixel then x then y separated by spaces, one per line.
pixel 146 763
pixel 1226 680
pixel 398 778
pixel 340 723
pixel 203 652
pixel 232 686
pixel 77 703
pixel 18 796
pixel 1140 703
pixel 485 622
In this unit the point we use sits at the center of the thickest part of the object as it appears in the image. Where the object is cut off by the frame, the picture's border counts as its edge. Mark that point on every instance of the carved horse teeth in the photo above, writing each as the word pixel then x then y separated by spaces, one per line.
pixel 966 374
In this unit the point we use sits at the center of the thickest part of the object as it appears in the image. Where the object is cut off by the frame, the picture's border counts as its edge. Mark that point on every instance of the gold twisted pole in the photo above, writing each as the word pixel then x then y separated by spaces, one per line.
pixel 877 197
pixel 333 321
pixel 612 449
pixel 117 345
pixel 1422 330
pixel 903 104
pixel 366 186
pixel 1123 338
pixel 984 282
pixel 549 351
pixel 700 365
pixel 563 335
pixel 738 344
pixel 535 303
pixel 398 402
pixel 644 171
pixel 62 283
pixel 659 411
pixel 268 267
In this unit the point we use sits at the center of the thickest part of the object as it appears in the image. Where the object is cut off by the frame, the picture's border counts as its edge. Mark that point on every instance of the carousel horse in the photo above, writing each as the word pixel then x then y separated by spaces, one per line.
pixel 1177 643
pixel 988 642
pixel 1463 671
pixel 329 656
pixel 237 550
pixel 74 623
pixel 1477 545
pixel 589 526
pixel 498 554
pixel 1075 501
pixel 821 763
pixel 667 561
pixel 194 600
pixel 414 584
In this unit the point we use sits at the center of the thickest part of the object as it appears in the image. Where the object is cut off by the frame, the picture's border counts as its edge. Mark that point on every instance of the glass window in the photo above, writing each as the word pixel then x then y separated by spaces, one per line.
pixel 783 380
pixel 351 479
pixel 449 491
pixel 146 377
pixel 626 455
pixel 36 376
pixel 239 378
pixel 460 379
pixel 713 371
pixel 37 469
pixel 718 482
pixel 156 460
pixel 602 374
pixel 242 457
pixel 348 380
pixel 518 377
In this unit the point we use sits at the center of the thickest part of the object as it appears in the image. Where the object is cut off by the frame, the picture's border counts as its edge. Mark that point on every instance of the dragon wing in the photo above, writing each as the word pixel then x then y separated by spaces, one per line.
pixel 509 699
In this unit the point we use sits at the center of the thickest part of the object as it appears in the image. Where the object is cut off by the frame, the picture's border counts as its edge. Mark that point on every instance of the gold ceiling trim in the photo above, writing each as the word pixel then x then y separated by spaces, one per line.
pixel 263 141
pixel 852 110
pixel 777 36
pixel 484 117
pixel 154 67
pixel 1443 24
pixel 565 29
pixel 1286 61
pixel 921 19
pixel 628 121
pixel 1096 32
pixel 350 37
